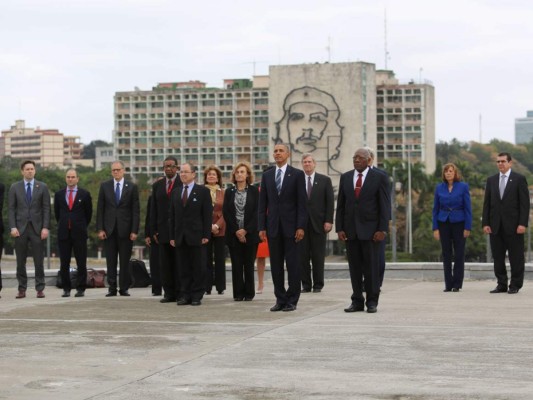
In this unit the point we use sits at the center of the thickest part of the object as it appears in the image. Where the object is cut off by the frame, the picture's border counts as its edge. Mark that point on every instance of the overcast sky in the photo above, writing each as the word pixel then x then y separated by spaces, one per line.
pixel 62 61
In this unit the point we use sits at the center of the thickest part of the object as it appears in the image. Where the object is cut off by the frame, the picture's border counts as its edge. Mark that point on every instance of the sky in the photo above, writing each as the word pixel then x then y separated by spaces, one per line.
pixel 61 61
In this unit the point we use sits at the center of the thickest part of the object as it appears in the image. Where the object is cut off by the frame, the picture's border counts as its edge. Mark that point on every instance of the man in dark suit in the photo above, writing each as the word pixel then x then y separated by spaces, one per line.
pixel 191 214
pixel 29 220
pixel 320 207
pixel 73 209
pixel 153 247
pixel 117 222
pixel 382 244
pixel 505 219
pixel 2 190
pixel 159 226
pixel 362 221
pixel 283 218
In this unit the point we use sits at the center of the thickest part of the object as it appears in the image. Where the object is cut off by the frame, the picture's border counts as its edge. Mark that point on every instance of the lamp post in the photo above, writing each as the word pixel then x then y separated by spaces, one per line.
pixel 393 214
pixel 409 204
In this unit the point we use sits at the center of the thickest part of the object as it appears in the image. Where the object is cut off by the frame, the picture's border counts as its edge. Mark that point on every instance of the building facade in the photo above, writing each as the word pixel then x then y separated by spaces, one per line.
pixel 523 129
pixel 44 146
pixel 195 124
pixel 328 110
pixel 405 120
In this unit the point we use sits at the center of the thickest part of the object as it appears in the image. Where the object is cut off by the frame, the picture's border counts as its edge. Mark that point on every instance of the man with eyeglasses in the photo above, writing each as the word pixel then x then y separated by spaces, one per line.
pixel 505 219
pixel 162 191
pixel 117 223
pixel 191 215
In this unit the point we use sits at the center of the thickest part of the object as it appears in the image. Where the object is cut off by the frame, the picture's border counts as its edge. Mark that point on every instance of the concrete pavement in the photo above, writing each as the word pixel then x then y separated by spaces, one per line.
pixel 421 344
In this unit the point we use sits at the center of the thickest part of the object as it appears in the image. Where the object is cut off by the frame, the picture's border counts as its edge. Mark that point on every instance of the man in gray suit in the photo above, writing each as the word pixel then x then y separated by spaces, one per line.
pixel 29 220
pixel 117 223
pixel 319 206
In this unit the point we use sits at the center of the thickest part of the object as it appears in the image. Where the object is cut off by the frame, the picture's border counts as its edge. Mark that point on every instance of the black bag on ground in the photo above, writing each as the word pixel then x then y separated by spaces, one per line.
pixel 73 279
pixel 139 275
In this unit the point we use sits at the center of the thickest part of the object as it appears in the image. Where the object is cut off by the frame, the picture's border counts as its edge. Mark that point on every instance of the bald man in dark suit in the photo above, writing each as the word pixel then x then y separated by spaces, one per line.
pixel 362 220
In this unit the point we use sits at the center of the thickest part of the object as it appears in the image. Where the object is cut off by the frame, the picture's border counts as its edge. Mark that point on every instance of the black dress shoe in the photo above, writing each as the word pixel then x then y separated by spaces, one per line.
pixel 289 307
pixel 66 293
pixel 306 291
pixel 196 303
pixel 167 300
pixel 513 290
pixel 354 308
pixel 124 293
pixel 447 290
pixel 371 309
pixel 499 289
pixel 238 299
pixel 183 302
pixel 79 293
pixel 220 292
pixel 156 294
pixel 317 290
pixel 111 294
pixel 248 298
pixel 208 292
pixel 456 289
pixel 277 307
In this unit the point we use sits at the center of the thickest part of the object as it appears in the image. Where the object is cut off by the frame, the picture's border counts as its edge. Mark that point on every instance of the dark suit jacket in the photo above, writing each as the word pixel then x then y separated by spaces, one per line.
pixel 80 215
pixel 250 216
pixel 39 209
pixel 367 215
pixel 160 209
pixel 2 190
pixel 192 222
pixel 512 210
pixel 286 210
pixel 125 217
pixel 320 206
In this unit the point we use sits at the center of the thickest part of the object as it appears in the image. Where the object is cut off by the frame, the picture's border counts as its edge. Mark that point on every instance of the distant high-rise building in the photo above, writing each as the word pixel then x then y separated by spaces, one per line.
pixel 523 129
pixel 103 156
pixel 195 124
pixel 405 120
pixel 44 146
pixel 328 110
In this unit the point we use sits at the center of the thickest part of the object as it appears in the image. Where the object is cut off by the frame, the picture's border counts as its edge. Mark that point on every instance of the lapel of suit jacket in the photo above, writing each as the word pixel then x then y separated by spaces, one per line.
pixel 508 185
pixel 286 178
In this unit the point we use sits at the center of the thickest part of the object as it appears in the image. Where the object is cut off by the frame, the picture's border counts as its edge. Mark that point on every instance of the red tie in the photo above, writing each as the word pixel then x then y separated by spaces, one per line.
pixel 70 199
pixel 169 188
pixel 358 185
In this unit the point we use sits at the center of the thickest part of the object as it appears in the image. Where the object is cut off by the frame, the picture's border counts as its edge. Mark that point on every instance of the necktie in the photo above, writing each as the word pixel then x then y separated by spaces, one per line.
pixel 117 193
pixel 169 187
pixel 28 193
pixel 184 197
pixel 502 185
pixel 278 180
pixel 358 185
pixel 309 187
pixel 70 199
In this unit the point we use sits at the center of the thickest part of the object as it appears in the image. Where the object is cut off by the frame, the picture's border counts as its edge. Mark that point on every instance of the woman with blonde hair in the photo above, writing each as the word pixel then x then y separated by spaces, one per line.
pixel 452 223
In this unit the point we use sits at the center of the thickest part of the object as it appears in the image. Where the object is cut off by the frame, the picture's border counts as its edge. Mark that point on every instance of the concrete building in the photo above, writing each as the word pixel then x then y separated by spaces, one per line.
pixel 523 129
pixel 44 146
pixel 405 120
pixel 328 110
pixel 194 123
pixel 103 156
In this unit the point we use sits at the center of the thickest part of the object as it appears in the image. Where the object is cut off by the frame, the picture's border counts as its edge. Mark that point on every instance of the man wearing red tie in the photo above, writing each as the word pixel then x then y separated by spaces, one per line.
pixel 73 209
pixel 362 221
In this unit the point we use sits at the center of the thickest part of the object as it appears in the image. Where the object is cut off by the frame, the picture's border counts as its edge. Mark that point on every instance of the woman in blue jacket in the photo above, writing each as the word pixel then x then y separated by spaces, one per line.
pixel 452 223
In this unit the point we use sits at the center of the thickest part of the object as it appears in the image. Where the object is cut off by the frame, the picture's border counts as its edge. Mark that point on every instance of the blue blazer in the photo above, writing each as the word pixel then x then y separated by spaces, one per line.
pixel 454 206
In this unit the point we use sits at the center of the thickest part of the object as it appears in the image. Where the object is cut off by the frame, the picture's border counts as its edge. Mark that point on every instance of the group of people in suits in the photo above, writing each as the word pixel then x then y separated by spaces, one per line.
pixel 293 211
pixel 505 219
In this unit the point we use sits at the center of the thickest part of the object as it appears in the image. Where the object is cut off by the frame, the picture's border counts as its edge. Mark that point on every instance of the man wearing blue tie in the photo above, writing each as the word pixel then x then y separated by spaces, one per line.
pixel 282 218
pixel 117 222
pixel 29 220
